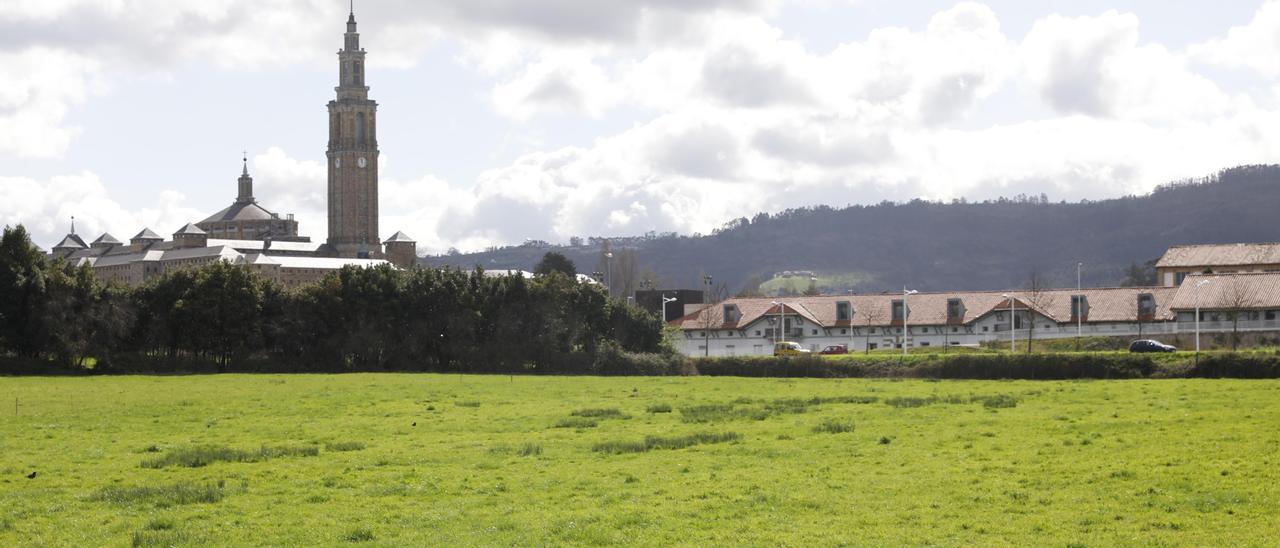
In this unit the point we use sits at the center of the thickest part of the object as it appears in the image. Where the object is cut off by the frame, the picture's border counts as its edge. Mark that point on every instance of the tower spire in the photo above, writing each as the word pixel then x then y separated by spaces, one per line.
pixel 245 196
pixel 73 224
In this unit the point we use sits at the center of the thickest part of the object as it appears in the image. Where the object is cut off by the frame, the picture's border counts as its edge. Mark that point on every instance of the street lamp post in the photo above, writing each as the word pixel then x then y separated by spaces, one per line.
pixel 905 294
pixel 608 272
pixel 665 300
pixel 1079 306
pixel 1013 324
pixel 1201 283
pixel 781 324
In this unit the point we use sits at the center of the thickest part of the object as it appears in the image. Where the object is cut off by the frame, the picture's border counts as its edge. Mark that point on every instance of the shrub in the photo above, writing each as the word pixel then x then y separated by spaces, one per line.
pixel 833 427
pixel 612 359
pixel 650 443
pixel 1242 366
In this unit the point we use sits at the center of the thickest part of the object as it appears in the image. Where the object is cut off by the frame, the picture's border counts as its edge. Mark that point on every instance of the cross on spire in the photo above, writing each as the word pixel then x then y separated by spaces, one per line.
pixel 245 157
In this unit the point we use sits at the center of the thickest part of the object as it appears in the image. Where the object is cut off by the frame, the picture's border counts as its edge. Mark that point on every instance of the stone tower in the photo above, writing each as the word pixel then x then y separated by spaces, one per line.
pixel 353 157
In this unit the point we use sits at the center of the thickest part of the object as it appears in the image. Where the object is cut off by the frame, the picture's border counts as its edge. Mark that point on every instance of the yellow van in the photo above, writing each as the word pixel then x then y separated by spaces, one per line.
pixel 789 349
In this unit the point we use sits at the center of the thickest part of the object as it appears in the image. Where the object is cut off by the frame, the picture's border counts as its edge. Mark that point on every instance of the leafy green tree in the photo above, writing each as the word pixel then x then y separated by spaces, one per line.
pixel 22 290
pixel 80 317
pixel 555 262
pixel 1140 275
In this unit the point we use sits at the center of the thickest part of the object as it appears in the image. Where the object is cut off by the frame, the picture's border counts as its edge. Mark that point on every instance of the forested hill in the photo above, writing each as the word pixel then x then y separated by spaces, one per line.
pixel 939 246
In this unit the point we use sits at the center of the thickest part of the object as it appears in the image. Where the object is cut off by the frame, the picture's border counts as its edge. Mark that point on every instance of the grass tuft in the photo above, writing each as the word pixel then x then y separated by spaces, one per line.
pixel 358 535
pixel 576 422
pixel 650 443
pixel 204 455
pixel 658 408
pixel 529 450
pixel 163 495
pixel 340 446
pixel 833 427
pixel 162 538
pixel 467 404
pixel 998 401
pixel 599 413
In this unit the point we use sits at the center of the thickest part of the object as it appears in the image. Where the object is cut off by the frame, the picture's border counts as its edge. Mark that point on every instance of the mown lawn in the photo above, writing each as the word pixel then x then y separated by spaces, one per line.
pixel 402 459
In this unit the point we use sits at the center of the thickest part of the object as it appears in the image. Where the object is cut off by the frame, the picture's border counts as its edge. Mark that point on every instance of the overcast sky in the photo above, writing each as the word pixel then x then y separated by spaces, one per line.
pixel 507 120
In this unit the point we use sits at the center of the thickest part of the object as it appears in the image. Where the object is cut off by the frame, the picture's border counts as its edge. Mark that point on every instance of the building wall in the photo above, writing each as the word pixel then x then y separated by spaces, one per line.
pixel 1168 276
pixel 993 327
pixel 281 229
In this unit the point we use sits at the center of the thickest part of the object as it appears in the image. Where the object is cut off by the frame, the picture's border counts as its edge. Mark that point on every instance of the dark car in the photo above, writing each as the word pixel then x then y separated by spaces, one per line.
pixel 835 349
pixel 1148 345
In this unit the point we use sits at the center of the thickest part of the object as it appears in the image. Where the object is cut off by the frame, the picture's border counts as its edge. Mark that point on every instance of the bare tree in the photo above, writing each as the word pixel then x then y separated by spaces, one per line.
pixel 624 272
pixel 873 315
pixel 708 320
pixel 1038 297
pixel 1236 300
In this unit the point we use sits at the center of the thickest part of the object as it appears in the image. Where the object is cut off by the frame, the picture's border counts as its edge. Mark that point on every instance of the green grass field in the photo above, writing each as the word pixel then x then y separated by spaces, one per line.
pixel 402 459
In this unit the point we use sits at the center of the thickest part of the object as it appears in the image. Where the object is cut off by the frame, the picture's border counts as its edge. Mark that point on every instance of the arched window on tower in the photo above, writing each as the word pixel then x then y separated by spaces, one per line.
pixel 358 75
pixel 360 128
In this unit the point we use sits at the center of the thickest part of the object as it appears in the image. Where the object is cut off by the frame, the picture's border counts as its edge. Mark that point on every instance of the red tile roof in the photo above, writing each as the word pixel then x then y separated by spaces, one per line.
pixel 1253 291
pixel 1104 305
pixel 1182 256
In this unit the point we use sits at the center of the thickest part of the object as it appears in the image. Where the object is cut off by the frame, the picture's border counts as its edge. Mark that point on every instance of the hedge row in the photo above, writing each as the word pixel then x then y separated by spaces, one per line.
pixel 1006 366
pixel 611 360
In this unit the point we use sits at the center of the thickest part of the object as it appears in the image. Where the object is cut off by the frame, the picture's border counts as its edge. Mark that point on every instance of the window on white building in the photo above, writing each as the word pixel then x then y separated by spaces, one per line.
pixel 843 310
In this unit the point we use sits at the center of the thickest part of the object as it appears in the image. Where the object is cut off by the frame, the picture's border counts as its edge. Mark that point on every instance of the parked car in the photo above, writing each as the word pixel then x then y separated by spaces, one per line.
pixel 789 349
pixel 1147 345
pixel 835 349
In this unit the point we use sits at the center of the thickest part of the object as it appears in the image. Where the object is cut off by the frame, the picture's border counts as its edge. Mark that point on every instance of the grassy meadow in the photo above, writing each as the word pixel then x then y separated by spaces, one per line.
pixel 398 459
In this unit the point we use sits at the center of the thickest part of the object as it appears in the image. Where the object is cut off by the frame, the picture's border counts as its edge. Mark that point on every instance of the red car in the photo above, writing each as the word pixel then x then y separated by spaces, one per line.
pixel 835 349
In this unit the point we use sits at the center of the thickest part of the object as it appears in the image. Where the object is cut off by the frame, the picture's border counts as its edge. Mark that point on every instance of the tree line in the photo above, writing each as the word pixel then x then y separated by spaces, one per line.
pixel 56 316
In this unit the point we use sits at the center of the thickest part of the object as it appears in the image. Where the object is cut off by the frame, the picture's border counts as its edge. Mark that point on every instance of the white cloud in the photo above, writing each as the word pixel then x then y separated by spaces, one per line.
pixel 1254 46
pixel 40 86
pixel 729 115
pixel 46 208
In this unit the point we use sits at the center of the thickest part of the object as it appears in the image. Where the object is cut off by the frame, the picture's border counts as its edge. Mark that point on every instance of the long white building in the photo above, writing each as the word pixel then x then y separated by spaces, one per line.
pixel 751 326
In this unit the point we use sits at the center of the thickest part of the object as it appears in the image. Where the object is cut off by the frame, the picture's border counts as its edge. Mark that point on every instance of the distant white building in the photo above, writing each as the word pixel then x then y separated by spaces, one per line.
pixel 743 327
pixel 1181 261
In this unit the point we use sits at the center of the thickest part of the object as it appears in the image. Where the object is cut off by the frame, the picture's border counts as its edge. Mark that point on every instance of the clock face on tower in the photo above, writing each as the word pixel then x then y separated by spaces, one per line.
pixel 361 162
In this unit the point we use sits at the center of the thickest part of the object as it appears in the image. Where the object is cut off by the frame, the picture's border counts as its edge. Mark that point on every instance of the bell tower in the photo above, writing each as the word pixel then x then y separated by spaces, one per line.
pixel 353 157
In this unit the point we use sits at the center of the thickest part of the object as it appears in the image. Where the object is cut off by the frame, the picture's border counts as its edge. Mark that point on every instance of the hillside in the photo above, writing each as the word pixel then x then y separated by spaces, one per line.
pixel 939 246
